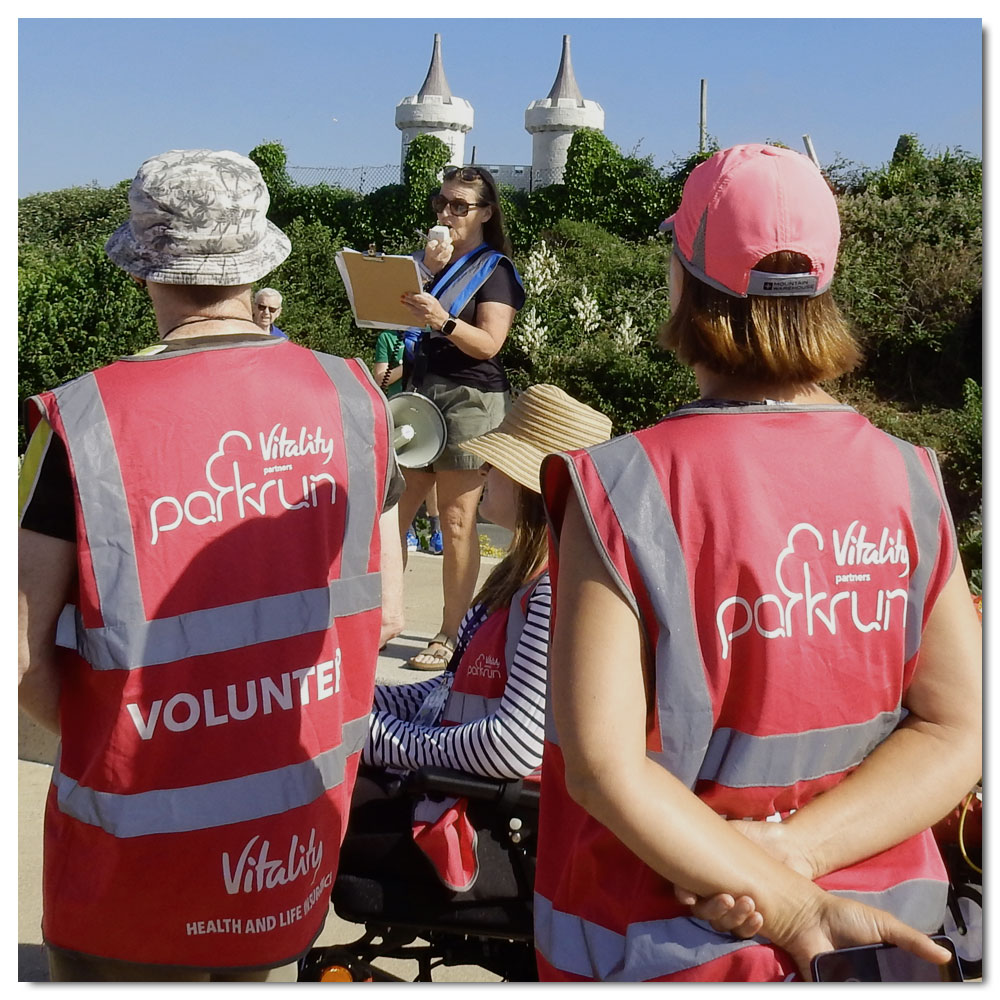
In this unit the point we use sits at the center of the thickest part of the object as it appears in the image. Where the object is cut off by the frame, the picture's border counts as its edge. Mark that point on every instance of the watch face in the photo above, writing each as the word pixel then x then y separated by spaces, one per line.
pixel 448 326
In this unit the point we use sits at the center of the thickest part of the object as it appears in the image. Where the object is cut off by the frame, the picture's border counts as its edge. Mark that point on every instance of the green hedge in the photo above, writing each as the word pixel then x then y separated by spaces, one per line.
pixel 909 279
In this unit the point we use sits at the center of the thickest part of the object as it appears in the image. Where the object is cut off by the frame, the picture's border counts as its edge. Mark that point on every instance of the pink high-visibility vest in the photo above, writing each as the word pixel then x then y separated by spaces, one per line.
pixel 442 829
pixel 782 562
pixel 227 621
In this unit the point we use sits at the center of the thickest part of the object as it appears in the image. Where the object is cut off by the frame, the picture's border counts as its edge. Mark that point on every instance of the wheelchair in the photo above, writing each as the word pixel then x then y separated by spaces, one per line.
pixel 399 923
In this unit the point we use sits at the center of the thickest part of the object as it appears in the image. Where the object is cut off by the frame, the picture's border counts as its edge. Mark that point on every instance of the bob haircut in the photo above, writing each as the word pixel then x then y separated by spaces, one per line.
pixel 771 340
pixel 494 231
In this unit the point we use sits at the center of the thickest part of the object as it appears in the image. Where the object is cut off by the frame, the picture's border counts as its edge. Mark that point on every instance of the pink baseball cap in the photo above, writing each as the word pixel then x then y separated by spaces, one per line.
pixel 749 201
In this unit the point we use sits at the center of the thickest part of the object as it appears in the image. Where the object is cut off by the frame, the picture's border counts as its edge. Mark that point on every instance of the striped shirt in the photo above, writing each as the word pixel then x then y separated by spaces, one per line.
pixel 505 744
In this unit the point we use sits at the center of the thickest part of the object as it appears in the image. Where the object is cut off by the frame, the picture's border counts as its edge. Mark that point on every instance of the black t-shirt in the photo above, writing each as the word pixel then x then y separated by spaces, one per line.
pixel 445 358
pixel 50 509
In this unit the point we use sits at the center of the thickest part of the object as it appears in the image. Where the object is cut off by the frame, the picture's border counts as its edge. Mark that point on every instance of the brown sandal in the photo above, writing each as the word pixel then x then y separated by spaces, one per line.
pixel 436 656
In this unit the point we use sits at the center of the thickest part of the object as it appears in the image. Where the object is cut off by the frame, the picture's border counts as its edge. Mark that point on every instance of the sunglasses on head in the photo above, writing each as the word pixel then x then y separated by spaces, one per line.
pixel 466 174
pixel 458 208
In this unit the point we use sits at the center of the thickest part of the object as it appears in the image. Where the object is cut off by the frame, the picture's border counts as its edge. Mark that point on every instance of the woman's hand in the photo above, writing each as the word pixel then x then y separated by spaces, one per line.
pixel 833 923
pixel 437 253
pixel 739 916
pixel 426 309
pixel 844 923
pixel 727 915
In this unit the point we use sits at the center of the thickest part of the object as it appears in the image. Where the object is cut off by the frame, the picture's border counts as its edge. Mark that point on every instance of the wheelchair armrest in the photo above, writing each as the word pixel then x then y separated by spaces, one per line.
pixel 445 781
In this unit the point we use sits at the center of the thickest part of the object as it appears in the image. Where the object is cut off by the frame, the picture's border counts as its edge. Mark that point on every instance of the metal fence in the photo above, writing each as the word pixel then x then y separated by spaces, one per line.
pixel 364 180
pixel 367 179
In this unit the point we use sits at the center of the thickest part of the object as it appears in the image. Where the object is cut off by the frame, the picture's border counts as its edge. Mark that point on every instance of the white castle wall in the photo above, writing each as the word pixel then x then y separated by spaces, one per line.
pixel 551 124
pixel 432 115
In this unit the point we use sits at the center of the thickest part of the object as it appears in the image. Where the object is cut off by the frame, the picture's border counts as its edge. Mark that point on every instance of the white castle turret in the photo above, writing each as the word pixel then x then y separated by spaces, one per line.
pixel 553 120
pixel 434 110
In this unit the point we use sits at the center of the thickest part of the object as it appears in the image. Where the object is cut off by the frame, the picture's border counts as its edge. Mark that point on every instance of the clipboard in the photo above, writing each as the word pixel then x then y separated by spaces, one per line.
pixel 374 284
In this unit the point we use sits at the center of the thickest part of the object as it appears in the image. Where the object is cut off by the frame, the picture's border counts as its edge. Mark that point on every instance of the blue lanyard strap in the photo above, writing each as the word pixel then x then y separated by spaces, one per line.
pixel 443 280
pixel 479 616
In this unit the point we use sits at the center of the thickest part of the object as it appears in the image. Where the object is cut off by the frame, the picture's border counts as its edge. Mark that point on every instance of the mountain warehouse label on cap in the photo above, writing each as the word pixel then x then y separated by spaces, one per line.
pixel 765 283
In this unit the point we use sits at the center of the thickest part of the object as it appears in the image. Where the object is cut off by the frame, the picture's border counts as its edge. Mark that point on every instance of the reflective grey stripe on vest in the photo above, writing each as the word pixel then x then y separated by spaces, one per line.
pixel 461 707
pixel 684 706
pixel 551 734
pixel 919 902
pixel 925 507
pixel 654 948
pixel 202 807
pixel 646 951
pixel 127 639
pixel 739 760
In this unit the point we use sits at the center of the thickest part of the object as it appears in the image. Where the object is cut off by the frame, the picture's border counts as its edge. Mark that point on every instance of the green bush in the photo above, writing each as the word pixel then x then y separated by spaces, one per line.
pixel 72 215
pixel 272 160
pixel 909 279
pixel 76 312
pixel 593 306
pixel 909 276
pixel 315 310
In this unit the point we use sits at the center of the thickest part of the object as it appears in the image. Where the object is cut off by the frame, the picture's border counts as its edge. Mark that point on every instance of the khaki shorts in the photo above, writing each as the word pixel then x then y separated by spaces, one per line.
pixel 72 967
pixel 468 412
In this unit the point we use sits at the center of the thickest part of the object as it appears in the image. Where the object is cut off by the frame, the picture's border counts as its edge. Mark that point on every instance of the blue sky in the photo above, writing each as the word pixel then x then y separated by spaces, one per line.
pixel 98 96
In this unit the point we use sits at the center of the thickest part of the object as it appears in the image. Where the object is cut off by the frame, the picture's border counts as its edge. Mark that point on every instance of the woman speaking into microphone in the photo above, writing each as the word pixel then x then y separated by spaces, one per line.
pixel 470 300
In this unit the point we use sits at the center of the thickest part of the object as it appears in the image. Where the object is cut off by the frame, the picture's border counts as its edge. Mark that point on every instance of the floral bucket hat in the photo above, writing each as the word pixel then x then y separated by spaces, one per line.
pixel 199 217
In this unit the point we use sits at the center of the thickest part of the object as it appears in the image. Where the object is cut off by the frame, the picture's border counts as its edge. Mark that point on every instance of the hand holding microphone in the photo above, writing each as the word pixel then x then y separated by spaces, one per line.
pixel 439 247
pixel 427 310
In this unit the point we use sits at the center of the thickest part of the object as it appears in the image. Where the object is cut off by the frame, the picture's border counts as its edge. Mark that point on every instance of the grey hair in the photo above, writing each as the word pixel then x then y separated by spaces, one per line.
pixel 267 291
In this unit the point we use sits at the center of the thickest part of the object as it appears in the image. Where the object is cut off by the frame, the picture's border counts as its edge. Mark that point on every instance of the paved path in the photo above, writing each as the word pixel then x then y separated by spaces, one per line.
pixel 36 752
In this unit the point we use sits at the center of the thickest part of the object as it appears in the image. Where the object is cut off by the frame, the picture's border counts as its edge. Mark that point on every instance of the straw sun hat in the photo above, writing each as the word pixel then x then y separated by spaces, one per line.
pixel 542 420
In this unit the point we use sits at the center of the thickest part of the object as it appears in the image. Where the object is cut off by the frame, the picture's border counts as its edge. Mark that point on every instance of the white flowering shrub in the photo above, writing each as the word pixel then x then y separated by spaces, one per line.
pixel 586 311
pixel 529 333
pixel 626 336
pixel 541 270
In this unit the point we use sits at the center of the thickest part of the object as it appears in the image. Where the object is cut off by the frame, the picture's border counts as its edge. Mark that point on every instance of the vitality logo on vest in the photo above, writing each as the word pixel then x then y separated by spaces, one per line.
pixel 185 710
pixel 254 871
pixel 224 473
pixel 818 606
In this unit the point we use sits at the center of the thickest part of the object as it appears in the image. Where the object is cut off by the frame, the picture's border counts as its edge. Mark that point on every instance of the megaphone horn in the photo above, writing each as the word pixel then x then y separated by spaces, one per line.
pixel 419 431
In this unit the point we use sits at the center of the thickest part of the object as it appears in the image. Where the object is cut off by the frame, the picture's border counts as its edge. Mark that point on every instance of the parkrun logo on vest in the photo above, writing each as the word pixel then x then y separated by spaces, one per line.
pixel 254 871
pixel 224 474
pixel 185 710
pixel 484 666
pixel 852 552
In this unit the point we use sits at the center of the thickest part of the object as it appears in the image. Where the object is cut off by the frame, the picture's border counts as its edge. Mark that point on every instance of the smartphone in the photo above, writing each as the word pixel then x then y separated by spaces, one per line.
pixel 884 963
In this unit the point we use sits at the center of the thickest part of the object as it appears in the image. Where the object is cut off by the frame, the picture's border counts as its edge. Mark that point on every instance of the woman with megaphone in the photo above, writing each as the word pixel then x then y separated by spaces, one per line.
pixel 486 714
pixel 470 300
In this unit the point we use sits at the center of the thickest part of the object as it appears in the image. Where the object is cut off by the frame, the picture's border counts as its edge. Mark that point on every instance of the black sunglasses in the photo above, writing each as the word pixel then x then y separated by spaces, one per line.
pixel 458 208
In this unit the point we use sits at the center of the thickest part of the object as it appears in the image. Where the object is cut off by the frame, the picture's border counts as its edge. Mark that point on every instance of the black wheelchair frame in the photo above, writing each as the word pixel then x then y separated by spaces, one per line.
pixel 496 935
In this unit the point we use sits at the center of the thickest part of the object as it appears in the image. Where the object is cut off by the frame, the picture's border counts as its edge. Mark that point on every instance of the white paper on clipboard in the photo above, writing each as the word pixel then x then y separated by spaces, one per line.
pixel 374 286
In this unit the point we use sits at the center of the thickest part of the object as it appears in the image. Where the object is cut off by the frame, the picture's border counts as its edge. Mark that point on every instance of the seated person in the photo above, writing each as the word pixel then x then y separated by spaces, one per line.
pixel 486 713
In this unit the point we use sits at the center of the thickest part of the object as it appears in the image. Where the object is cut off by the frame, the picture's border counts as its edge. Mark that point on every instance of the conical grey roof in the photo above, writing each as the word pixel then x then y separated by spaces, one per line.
pixel 565 83
pixel 435 83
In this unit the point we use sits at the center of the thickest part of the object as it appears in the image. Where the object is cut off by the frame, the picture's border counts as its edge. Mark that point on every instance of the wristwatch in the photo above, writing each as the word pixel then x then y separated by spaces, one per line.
pixel 448 326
